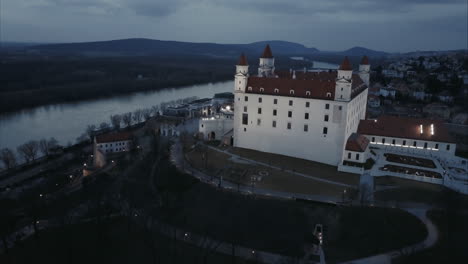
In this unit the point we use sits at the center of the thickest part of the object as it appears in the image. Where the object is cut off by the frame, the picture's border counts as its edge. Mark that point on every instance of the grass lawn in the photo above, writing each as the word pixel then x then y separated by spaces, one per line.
pixel 413 191
pixel 239 172
pixel 284 227
pixel 84 243
pixel 452 246
pixel 303 166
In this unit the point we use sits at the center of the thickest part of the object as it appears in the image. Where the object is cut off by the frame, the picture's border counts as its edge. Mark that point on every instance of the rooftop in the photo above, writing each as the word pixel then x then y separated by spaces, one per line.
pixel 406 127
pixel 114 137
pixel 317 85
pixel 357 142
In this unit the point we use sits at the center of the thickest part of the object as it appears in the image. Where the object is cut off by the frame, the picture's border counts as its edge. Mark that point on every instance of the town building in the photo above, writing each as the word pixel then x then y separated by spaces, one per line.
pixel 302 114
pixel 105 145
pixel 218 125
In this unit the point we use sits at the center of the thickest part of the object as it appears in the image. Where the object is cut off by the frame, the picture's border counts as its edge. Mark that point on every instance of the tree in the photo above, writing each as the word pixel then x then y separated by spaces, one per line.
pixel 91 130
pixel 155 110
pixel 104 126
pixel 146 114
pixel 29 150
pixel 8 158
pixel 127 119
pixel 137 115
pixel 45 145
pixel 116 120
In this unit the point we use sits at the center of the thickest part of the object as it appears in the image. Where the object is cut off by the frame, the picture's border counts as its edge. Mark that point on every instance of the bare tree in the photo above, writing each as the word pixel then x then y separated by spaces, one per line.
pixel 146 114
pixel 91 130
pixel 116 120
pixel 45 145
pixel 104 126
pixel 82 138
pixel 8 158
pixel 137 115
pixel 29 150
pixel 127 119
pixel 155 110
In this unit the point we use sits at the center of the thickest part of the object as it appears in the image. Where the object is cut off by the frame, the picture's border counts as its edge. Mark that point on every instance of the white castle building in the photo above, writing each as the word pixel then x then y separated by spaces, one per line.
pixel 308 115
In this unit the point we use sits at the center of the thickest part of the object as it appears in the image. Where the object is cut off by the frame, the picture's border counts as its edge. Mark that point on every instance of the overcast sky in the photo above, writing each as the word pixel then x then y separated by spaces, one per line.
pixel 389 25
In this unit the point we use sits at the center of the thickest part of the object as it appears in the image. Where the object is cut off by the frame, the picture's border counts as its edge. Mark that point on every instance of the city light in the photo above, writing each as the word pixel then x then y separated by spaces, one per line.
pixel 432 129
pixel 421 128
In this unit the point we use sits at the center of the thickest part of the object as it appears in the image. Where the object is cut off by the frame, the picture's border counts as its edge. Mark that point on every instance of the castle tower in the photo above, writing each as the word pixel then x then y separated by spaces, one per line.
pixel 267 63
pixel 364 70
pixel 242 74
pixel 344 81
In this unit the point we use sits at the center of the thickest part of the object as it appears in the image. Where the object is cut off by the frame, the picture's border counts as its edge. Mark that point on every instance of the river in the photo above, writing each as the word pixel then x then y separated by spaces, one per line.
pixel 67 121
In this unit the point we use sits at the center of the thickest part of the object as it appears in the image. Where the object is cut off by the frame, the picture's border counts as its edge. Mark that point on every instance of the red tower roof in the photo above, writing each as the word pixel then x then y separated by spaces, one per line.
pixel 267 52
pixel 346 65
pixel 242 60
pixel 365 61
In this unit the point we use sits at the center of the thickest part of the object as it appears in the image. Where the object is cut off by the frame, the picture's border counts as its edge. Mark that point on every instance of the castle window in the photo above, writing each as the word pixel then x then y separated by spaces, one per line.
pixel 261 90
pixel 349 155
pixel 290 102
pixel 414 143
pixel 436 146
pixel 393 142
pixel 245 108
pixel 308 93
pixel 383 140
pixel 276 90
pixel 325 118
pixel 274 112
pixel 325 130
pixel 291 92
pixel 274 123
pixel 425 145
pixel 306 116
pixel 246 98
pixel 328 95
pixel 373 139
pixel 289 113
pixel 404 142
pixel 289 125
pixel 259 99
pixel 448 147
pixel 341 88
pixel 340 107
pixel 250 88
pixel 357 156
pixel 245 129
pixel 275 101
pixel 307 104
pixel 327 106
pixel 306 128
pixel 259 121
pixel 259 110
pixel 245 119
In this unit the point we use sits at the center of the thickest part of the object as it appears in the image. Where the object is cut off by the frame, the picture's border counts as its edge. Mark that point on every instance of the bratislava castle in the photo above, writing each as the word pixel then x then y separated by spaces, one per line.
pixel 304 114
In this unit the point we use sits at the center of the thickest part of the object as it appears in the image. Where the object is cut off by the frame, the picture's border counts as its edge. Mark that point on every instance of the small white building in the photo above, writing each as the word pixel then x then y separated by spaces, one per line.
pixel 217 125
pixel 388 92
pixel 108 144
pixel 373 101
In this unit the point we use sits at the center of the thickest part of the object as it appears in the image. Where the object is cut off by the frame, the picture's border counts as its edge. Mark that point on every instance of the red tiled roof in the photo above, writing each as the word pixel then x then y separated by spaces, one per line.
pixel 319 84
pixel 357 142
pixel 346 65
pixel 365 61
pixel 242 60
pixel 405 127
pixel 267 52
pixel 113 137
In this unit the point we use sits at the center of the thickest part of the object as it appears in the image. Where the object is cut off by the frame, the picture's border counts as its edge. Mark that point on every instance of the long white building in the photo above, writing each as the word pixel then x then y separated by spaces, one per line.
pixel 308 115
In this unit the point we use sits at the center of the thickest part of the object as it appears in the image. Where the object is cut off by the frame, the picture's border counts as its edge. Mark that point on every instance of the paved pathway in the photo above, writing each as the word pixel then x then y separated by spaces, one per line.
pixel 418 210
pixel 278 168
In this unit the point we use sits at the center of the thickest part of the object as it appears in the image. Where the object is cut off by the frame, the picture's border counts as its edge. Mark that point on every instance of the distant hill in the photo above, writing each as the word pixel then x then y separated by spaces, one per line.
pixel 360 51
pixel 140 47
pixel 146 47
